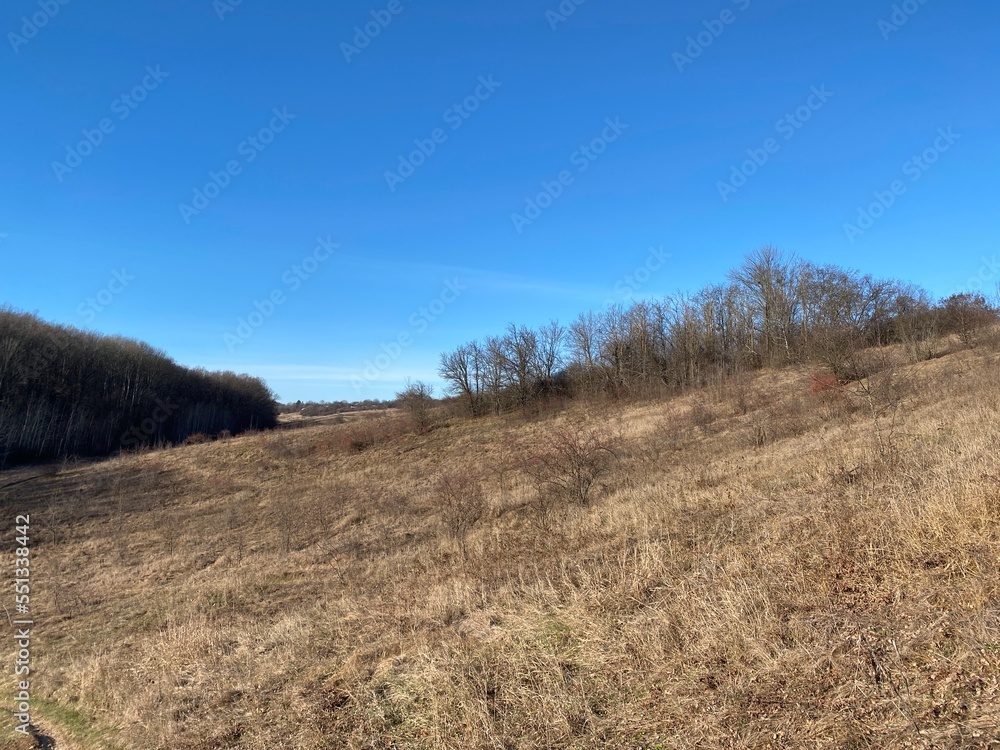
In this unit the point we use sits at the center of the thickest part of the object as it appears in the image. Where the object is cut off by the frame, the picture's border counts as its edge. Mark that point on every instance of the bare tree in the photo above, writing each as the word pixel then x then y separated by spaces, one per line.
pixel 464 371
pixel 770 279
pixel 417 399
pixel 520 363
pixel 550 350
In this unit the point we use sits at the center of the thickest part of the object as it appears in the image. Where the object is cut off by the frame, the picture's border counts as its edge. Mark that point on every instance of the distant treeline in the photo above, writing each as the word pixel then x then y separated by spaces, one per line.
pixel 326 408
pixel 774 309
pixel 67 392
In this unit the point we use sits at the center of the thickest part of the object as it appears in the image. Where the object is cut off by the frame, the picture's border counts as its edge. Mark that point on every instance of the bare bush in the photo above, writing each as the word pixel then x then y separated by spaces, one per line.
pixel 881 394
pixel 463 502
pixel 417 399
pixel 825 385
pixel 741 390
pixel 761 430
pixel 505 451
pixel 967 315
pixel 369 433
pixel 832 395
pixel 576 458
pixel 702 415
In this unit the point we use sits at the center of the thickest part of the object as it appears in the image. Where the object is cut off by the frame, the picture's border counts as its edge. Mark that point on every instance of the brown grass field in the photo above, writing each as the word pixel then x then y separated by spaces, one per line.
pixel 762 564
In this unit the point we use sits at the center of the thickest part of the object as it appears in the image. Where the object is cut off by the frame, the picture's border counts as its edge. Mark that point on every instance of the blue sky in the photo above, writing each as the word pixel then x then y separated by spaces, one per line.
pixel 540 152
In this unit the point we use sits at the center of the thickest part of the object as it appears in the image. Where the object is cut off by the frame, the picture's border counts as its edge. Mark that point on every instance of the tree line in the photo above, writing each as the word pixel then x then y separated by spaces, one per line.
pixel 326 408
pixel 774 309
pixel 67 392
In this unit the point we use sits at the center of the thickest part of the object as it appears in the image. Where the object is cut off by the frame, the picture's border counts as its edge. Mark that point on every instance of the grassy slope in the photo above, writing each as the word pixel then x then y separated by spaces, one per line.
pixel 280 591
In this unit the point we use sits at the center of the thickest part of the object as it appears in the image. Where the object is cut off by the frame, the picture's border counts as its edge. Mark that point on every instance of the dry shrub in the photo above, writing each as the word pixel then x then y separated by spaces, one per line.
pixel 702 415
pixel 743 393
pixel 463 503
pixel 784 419
pixel 825 385
pixel 761 429
pixel 369 433
pixel 197 439
pixel 832 395
pixel 417 400
pixel 881 395
pixel 990 338
pixel 575 458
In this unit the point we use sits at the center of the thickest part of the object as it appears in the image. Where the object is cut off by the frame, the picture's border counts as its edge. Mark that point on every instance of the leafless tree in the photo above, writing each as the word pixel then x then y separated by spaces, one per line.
pixel 417 399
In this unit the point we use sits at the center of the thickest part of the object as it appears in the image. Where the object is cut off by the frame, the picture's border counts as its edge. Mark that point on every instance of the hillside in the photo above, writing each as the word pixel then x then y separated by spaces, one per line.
pixel 774 561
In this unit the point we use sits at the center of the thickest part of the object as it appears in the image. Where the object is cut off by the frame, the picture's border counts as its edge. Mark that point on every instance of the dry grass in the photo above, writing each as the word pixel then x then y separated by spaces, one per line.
pixel 765 567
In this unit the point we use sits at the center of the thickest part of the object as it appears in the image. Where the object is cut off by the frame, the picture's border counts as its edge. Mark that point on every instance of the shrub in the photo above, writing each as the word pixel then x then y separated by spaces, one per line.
pixel 463 503
pixel 965 315
pixel 824 383
pixel 701 415
pixel 881 395
pixel 368 433
pixel 417 400
pixel 577 457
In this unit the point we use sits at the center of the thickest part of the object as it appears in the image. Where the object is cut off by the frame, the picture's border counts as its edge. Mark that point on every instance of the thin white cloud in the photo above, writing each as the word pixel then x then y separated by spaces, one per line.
pixel 487 280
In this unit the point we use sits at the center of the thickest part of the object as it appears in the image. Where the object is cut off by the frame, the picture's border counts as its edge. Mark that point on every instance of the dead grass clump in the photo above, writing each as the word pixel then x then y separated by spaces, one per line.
pixel 371 432
pixel 782 420
pixel 702 416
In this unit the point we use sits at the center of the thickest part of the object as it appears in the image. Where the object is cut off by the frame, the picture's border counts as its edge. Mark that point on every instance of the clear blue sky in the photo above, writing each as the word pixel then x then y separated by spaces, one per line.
pixel 173 93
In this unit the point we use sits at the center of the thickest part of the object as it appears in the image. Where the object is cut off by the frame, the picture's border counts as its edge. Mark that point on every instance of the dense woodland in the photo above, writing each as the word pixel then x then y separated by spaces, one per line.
pixel 66 392
pixel 773 310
